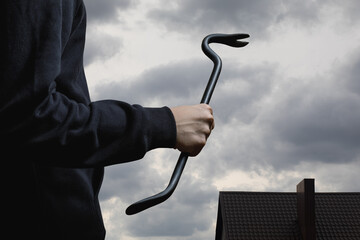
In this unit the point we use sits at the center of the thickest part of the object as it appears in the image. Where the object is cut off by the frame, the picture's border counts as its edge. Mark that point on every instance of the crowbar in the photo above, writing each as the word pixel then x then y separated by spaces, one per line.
pixel 227 39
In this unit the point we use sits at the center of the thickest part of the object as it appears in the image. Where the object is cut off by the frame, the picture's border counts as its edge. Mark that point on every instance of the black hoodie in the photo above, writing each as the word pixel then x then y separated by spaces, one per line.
pixel 55 142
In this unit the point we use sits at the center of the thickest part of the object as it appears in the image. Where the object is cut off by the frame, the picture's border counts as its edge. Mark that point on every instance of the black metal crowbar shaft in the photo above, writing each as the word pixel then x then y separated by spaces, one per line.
pixel 227 39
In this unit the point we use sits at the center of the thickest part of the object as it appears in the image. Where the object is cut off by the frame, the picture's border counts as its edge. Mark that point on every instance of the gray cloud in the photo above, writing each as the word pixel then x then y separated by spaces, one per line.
pixel 349 74
pixel 253 17
pixel 192 198
pixel 175 83
pixel 349 10
pixel 320 120
pixel 304 121
pixel 317 122
pixel 321 129
pixel 100 46
pixel 184 82
pixel 240 89
pixel 106 10
pixel 136 180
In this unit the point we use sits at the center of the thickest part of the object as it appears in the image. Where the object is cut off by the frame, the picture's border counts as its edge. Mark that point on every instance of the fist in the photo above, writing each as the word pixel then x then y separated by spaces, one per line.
pixel 193 126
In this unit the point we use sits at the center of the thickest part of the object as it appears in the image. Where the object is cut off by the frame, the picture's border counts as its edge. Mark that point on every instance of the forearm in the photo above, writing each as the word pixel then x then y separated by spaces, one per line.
pixel 71 134
pixel 65 133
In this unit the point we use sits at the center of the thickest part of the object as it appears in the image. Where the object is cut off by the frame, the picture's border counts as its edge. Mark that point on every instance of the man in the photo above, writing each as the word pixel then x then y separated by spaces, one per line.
pixel 55 142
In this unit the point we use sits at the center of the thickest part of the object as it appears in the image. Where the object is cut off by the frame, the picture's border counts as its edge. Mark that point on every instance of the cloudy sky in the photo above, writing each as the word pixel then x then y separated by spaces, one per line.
pixel 287 106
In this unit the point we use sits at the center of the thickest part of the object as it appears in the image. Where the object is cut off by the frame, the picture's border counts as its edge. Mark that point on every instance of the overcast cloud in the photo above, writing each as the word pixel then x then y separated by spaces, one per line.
pixel 213 15
pixel 287 106
pixel 106 10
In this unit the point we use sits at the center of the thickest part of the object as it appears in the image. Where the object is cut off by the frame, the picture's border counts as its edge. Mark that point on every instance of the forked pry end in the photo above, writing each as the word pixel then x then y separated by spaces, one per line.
pixel 227 39
pixel 234 40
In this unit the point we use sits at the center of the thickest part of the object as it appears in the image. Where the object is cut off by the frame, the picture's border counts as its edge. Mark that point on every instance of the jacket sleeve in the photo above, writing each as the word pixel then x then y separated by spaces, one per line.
pixel 45 110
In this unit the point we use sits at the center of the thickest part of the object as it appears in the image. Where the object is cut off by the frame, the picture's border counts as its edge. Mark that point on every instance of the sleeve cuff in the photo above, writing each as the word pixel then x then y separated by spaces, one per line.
pixel 161 129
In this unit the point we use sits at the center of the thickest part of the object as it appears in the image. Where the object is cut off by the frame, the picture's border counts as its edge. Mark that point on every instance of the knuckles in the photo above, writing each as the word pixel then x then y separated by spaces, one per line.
pixel 197 131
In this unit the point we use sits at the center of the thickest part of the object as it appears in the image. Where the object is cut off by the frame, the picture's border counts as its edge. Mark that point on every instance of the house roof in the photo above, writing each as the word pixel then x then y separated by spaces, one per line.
pixel 337 215
pixel 267 215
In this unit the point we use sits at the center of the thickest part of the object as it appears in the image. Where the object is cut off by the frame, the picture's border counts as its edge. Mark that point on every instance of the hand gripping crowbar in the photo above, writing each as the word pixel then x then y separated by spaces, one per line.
pixel 227 39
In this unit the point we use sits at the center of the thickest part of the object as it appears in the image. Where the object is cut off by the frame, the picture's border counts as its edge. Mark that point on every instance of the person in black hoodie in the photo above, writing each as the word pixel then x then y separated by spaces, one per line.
pixel 55 142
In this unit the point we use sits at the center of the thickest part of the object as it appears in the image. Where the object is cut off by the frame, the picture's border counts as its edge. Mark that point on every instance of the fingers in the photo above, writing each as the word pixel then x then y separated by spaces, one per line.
pixel 194 125
pixel 209 117
pixel 208 124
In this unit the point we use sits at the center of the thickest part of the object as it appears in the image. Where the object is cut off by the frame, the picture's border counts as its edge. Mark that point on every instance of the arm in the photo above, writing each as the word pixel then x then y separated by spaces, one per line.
pixel 45 110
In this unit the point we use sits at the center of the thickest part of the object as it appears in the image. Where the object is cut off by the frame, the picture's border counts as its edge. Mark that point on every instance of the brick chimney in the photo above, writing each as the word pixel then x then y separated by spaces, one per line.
pixel 306 208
